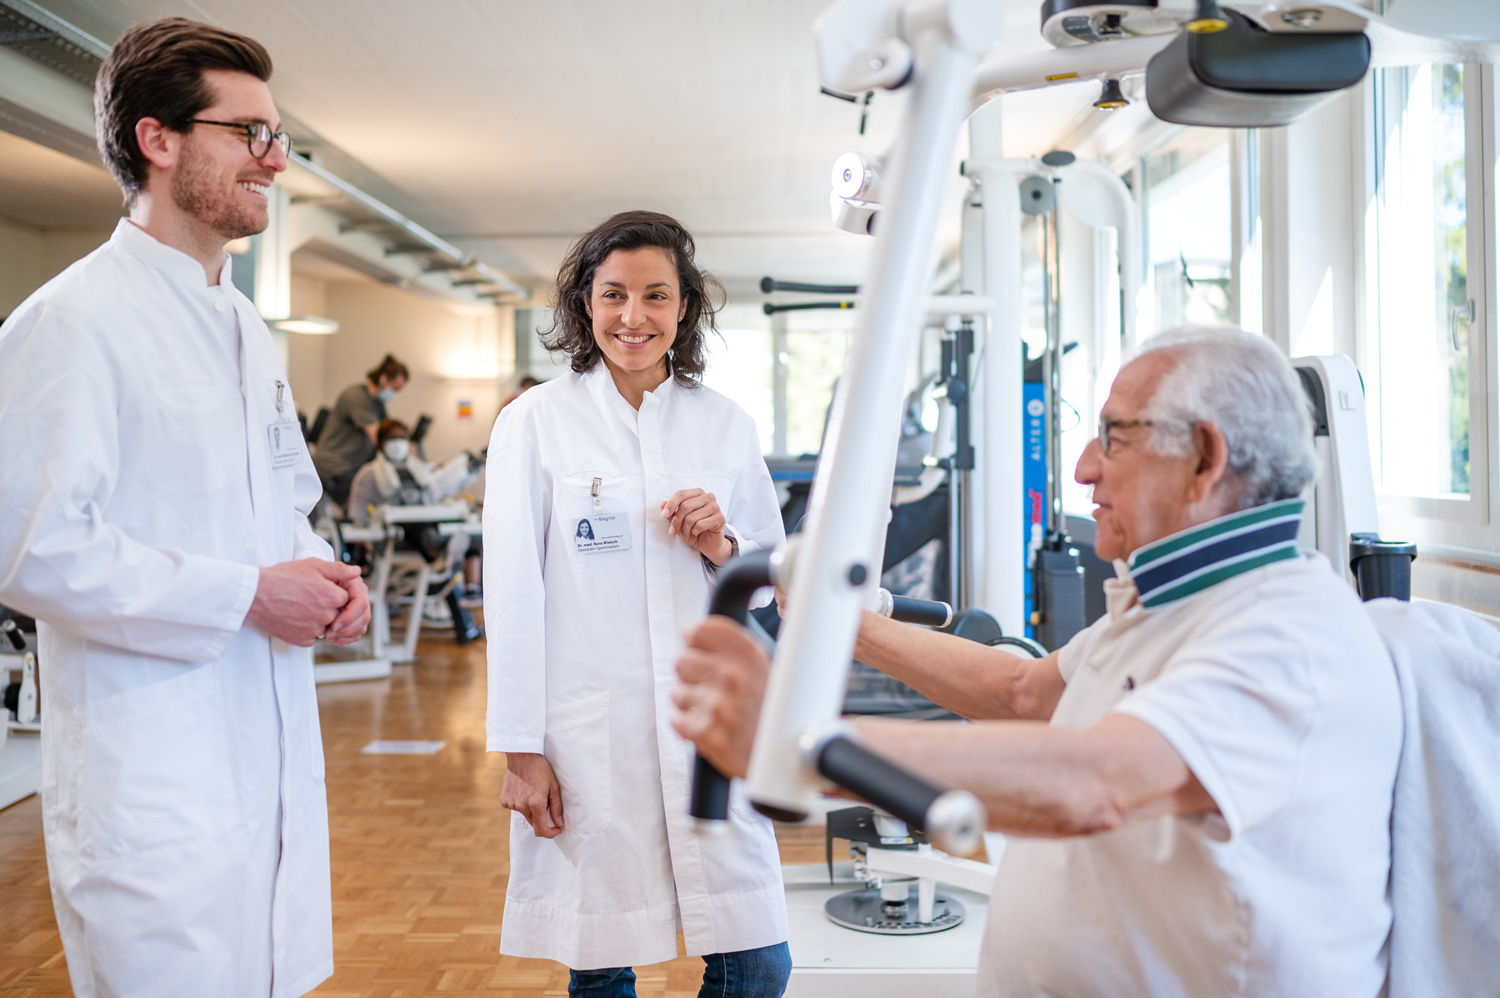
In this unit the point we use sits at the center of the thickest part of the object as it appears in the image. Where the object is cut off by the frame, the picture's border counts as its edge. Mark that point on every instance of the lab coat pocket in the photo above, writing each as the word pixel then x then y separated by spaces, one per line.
pixel 718 481
pixel 192 434
pixel 578 751
pixel 156 767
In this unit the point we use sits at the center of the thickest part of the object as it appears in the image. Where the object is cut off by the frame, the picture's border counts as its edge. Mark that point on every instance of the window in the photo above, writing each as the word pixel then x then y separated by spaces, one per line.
pixel 739 366
pixel 807 349
pixel 1421 291
pixel 817 347
pixel 1429 292
pixel 1187 223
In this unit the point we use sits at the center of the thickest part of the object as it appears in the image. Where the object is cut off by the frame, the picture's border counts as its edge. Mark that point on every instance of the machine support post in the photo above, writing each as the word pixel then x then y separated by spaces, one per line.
pixel 850 497
pixel 999 560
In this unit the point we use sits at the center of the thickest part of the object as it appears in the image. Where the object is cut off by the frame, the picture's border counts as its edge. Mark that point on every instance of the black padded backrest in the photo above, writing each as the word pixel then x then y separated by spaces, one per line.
pixel 1247 77
pixel 424 423
pixel 319 421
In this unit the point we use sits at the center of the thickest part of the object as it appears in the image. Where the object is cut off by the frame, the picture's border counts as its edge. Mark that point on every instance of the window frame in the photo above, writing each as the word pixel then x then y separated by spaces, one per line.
pixel 1460 527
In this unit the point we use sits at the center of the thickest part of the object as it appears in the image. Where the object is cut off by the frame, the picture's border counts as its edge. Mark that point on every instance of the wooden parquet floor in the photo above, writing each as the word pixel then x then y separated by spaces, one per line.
pixel 419 849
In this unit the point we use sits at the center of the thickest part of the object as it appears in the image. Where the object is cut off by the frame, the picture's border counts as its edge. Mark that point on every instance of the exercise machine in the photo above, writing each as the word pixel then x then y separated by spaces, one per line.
pixel 20 717
pixel 1341 520
pixel 930 49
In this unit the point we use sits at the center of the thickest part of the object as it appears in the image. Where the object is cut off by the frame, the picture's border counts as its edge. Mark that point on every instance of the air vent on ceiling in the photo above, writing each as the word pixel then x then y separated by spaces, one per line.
pixel 43 44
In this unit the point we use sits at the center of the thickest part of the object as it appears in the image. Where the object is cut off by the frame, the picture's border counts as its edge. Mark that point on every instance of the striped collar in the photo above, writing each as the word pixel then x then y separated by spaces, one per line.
pixel 1195 559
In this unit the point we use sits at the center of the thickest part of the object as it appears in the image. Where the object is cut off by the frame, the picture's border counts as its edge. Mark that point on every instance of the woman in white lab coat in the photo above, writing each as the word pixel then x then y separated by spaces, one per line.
pixel 613 494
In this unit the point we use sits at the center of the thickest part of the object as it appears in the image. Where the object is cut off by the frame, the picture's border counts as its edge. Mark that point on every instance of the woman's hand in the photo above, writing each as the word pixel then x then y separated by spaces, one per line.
pixel 696 517
pixel 530 788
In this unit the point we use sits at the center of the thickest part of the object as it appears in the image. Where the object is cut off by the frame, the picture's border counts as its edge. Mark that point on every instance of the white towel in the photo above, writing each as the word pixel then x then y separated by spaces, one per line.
pixel 1445 822
pixel 388 479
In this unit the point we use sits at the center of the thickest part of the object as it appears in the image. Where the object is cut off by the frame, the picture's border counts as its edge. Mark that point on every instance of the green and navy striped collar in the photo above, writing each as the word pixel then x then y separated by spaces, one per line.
pixel 1195 559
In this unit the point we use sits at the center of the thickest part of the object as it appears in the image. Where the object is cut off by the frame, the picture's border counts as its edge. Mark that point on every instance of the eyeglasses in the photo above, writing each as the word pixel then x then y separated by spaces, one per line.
pixel 1106 424
pixel 258 136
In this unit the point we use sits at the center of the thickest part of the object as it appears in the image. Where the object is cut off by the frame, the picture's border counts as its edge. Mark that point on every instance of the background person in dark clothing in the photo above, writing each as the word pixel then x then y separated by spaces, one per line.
pixel 348 441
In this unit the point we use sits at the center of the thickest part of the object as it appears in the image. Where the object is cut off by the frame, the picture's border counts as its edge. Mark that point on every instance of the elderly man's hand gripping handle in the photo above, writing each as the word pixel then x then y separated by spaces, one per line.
pixel 721 672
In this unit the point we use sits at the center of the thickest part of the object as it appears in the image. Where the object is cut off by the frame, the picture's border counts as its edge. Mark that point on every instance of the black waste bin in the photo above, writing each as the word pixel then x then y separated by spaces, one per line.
pixel 1381 568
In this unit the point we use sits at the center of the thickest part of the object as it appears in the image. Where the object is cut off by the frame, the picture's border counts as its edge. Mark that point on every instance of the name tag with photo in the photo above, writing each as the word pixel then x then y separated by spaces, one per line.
pixel 285 438
pixel 601 532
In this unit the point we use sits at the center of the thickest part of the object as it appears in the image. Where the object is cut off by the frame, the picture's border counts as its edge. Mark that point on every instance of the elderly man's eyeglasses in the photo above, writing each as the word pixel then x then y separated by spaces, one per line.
pixel 1106 425
pixel 258 136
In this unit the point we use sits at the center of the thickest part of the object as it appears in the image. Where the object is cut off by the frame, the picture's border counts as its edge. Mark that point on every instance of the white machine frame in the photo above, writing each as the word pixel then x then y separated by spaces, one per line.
pixel 21 739
pixel 930 48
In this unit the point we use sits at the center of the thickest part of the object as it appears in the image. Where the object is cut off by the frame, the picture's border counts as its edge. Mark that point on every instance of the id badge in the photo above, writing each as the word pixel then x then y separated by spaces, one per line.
pixel 601 532
pixel 285 438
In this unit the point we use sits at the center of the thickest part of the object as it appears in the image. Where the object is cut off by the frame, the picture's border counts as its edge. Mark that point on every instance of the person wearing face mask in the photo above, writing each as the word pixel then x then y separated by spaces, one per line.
pixel 614 494
pixel 349 440
pixel 394 477
pixel 398 477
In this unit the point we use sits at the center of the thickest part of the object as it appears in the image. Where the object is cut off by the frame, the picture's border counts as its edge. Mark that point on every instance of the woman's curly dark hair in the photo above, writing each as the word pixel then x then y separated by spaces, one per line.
pixel 572 331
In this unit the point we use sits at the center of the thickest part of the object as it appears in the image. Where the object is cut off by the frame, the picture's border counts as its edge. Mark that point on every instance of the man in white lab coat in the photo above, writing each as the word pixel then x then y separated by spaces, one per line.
pixel 154 498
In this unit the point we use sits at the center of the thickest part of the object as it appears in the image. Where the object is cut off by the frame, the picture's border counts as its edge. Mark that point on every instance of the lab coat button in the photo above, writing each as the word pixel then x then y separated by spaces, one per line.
pixel 218 304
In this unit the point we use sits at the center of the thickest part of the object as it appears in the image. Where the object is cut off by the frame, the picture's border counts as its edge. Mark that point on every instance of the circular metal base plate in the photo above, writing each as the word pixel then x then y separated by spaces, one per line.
pixel 864 911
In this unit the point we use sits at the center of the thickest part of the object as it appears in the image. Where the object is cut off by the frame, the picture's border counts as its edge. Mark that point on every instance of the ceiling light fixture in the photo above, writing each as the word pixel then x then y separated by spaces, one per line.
pixel 1111 98
pixel 1208 19
pixel 313 324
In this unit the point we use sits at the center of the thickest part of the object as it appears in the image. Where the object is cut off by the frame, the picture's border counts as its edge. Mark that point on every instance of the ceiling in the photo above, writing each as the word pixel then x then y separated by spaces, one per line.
pixel 510 126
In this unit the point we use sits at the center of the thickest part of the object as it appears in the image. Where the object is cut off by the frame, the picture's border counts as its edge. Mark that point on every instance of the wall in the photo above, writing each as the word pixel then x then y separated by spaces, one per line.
pixel 31 257
pixel 306 353
pixel 1310 183
pixel 454 352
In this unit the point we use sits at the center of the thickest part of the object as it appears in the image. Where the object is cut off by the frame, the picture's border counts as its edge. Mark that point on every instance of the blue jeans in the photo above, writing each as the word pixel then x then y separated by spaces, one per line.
pixel 750 973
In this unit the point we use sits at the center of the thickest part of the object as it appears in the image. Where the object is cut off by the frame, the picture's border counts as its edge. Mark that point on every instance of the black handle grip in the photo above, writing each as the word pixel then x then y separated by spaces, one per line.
pixel 882 783
pixel 13 632
pixel 738 581
pixel 805 306
pixel 930 612
pixel 769 284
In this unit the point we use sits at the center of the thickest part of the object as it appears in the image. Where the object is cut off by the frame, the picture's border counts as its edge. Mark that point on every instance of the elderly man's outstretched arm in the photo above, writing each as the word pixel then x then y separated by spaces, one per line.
pixel 1039 780
pixel 1034 779
pixel 968 678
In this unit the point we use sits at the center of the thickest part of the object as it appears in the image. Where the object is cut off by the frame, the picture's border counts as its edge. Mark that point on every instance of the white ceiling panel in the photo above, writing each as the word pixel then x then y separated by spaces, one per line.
pixel 512 125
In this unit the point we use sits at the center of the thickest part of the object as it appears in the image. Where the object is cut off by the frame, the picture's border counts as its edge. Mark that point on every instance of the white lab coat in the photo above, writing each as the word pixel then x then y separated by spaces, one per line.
pixel 183 805
pixel 581 664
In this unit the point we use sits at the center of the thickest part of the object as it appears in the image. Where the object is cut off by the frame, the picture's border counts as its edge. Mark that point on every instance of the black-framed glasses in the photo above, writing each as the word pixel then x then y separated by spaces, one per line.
pixel 1106 424
pixel 258 136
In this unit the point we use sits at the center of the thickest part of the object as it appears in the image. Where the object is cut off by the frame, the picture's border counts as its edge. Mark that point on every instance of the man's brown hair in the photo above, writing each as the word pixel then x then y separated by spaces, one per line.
pixel 155 71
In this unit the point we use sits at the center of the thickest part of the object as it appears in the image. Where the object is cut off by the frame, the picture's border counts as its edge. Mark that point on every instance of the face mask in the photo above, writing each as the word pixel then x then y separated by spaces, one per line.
pixel 385 394
pixel 397 450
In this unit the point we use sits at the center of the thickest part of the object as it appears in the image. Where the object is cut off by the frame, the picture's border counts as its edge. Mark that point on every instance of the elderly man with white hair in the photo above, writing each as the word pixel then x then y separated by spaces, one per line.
pixel 1198 785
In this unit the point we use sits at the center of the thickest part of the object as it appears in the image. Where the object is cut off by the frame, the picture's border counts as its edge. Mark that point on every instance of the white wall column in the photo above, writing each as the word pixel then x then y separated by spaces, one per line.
pixel 1309 187
pixel 998 545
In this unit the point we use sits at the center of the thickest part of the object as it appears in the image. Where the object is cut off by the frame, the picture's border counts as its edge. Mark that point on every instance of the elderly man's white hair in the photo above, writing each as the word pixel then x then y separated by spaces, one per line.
pixel 1245 386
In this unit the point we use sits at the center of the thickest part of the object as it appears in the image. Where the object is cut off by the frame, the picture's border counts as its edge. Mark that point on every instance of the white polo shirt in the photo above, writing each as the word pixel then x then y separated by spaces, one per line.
pixel 1261 668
